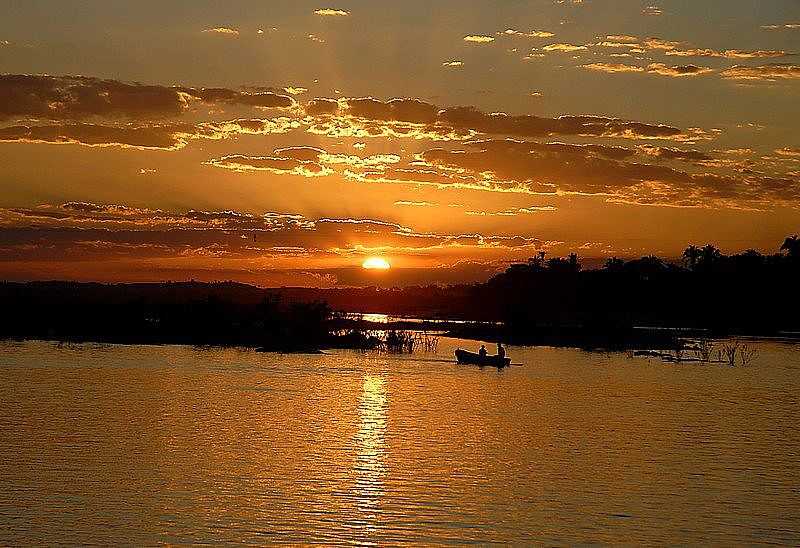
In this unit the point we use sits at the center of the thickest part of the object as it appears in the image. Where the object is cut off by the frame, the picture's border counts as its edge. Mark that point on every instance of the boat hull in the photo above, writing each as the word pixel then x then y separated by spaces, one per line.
pixel 471 358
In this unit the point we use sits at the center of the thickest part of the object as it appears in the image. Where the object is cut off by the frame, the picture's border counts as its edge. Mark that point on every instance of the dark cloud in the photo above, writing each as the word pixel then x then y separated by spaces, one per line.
pixel 659 69
pixel 605 151
pixel 303 160
pixel 81 97
pixel 262 99
pixel 678 71
pixel 80 231
pixel 274 164
pixel 534 126
pixel 465 119
pixel 169 137
pixel 163 136
pixel 399 110
pixel 302 153
pixel 75 97
pixel 537 168
pixel 422 175
pixel 666 153
pixel 320 106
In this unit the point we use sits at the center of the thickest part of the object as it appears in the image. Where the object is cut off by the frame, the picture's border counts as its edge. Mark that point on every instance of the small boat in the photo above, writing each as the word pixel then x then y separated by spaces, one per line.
pixel 471 358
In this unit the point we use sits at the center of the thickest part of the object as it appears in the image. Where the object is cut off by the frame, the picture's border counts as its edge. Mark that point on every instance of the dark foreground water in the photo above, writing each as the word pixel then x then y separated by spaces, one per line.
pixel 143 445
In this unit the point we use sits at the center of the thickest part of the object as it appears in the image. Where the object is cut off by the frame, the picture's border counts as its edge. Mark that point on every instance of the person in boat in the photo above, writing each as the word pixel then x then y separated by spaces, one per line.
pixel 482 351
pixel 501 352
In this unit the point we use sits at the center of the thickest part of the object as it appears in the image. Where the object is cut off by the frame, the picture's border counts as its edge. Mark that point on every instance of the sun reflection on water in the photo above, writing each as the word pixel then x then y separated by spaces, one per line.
pixel 370 467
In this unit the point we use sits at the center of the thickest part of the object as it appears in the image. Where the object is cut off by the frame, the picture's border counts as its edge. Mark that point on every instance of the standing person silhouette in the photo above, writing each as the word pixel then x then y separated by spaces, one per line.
pixel 501 351
pixel 482 351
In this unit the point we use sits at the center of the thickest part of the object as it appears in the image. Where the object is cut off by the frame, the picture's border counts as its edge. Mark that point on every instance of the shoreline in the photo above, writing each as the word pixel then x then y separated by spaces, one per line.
pixel 591 342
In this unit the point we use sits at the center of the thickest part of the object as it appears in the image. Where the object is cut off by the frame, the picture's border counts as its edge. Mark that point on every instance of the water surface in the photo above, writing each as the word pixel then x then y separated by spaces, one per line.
pixel 148 444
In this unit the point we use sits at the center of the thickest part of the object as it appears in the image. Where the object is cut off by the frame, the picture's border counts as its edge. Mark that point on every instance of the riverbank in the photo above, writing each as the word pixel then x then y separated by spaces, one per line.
pixel 621 339
pixel 231 315
pixel 369 335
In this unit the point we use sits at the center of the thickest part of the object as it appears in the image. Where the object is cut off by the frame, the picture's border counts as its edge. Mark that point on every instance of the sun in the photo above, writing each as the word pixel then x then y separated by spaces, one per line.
pixel 376 263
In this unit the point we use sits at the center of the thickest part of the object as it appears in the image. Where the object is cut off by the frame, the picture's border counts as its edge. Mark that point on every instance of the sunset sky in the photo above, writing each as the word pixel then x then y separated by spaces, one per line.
pixel 286 142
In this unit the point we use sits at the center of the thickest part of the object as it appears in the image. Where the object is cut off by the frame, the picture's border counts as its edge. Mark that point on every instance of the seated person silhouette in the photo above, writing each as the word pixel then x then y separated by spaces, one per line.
pixel 482 352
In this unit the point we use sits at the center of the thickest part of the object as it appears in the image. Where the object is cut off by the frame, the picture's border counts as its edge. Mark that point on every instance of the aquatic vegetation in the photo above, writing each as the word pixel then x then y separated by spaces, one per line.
pixel 704 350
pixel 406 342
pixel 745 353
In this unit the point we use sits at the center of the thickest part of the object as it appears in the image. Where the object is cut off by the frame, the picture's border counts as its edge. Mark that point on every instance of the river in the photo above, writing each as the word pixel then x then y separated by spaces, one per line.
pixel 169 444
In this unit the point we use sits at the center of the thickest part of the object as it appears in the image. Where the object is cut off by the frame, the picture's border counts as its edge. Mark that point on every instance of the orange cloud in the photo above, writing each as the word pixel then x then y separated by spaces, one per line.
pixel 727 54
pixel 566 48
pixel 173 136
pixel 412 203
pixel 276 165
pixel 478 39
pixel 331 12
pixel 166 137
pixel 302 160
pixel 512 212
pixel 530 34
pixel 679 71
pixel 784 26
pixel 79 98
pixel 85 231
pixel 768 73
pixel 258 98
pixel 622 38
pixel 612 67
pixel 224 31
pixel 417 119
pixel 573 169
pixel 666 153
pixel 653 68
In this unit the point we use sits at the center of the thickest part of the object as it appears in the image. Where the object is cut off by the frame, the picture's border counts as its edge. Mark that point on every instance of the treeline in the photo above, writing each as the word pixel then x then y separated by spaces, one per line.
pixel 742 293
pixel 184 313
pixel 549 300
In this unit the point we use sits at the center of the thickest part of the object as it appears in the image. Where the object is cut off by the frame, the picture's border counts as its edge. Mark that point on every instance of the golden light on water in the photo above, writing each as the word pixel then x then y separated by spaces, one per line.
pixel 370 468
pixel 376 263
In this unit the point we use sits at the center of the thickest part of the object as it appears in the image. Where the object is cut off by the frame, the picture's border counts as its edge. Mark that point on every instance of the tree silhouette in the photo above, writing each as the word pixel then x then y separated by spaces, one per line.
pixel 574 265
pixel 614 264
pixel 537 262
pixel 792 246
pixel 560 264
pixel 709 257
pixel 646 266
pixel 690 257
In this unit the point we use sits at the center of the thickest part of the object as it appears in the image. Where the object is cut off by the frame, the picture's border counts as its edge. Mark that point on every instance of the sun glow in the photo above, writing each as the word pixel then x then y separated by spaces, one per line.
pixel 376 263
